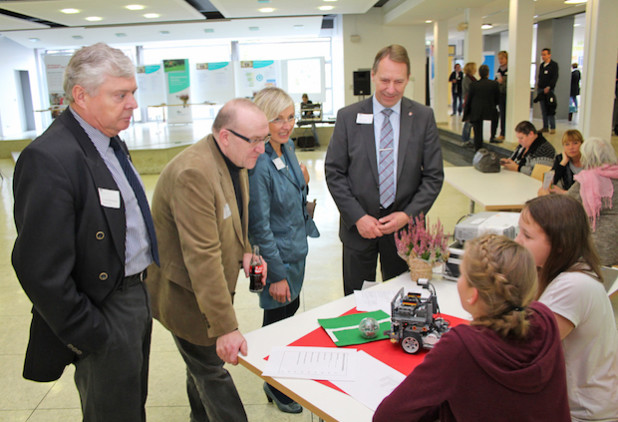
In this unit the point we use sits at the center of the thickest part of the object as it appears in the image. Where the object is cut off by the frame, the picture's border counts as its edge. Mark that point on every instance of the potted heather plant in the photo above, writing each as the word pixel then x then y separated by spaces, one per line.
pixel 422 246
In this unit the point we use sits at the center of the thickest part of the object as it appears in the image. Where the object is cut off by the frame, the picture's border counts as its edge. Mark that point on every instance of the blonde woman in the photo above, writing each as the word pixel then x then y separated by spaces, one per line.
pixel 508 361
pixel 278 220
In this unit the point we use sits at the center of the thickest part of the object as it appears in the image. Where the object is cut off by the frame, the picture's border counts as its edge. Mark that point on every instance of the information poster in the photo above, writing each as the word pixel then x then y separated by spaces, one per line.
pixel 257 74
pixel 54 71
pixel 213 83
pixel 178 90
pixel 151 85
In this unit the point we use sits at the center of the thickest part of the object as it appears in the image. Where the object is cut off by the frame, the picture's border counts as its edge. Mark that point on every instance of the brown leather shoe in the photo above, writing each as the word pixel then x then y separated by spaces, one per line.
pixel 552 131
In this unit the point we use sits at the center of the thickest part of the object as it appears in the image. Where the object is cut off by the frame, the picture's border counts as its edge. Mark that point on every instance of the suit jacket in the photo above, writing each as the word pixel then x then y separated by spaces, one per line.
pixel 202 240
pixel 70 249
pixel 548 75
pixel 483 98
pixel 352 169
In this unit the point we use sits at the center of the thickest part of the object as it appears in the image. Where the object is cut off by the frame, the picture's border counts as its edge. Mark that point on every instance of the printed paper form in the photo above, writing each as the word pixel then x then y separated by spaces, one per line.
pixel 373 383
pixel 317 363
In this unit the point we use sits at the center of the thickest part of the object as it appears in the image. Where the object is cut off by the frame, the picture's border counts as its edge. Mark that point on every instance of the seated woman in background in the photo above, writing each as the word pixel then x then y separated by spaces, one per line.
pixel 556 230
pixel 567 164
pixel 508 361
pixel 533 149
pixel 595 187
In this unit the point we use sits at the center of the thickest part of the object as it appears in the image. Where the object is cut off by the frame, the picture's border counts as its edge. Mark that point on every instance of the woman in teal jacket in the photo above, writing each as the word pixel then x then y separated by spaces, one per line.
pixel 278 219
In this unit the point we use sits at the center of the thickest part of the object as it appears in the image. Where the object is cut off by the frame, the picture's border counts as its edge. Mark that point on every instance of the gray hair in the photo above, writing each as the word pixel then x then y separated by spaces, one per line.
pixel 597 152
pixel 272 101
pixel 90 65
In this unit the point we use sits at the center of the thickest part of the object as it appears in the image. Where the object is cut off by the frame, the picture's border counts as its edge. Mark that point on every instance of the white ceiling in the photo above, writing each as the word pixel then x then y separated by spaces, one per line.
pixel 178 20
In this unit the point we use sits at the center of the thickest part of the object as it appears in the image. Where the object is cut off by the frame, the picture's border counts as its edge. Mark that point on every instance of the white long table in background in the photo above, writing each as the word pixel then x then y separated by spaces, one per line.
pixel 326 402
pixel 503 191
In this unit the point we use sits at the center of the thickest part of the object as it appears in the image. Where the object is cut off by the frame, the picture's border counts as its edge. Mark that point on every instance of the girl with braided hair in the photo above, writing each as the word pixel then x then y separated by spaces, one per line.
pixel 506 365
pixel 555 229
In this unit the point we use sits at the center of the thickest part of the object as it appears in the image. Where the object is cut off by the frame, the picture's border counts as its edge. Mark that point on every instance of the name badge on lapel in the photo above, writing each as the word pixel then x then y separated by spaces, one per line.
pixel 109 198
pixel 278 162
pixel 227 212
pixel 364 119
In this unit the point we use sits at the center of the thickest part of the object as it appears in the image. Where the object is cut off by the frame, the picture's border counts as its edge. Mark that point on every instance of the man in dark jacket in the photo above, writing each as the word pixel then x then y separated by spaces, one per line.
pixel 546 82
pixel 481 105
pixel 84 239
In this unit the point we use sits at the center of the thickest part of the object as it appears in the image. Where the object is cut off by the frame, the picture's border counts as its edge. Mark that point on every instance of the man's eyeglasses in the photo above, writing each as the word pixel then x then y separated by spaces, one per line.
pixel 251 141
pixel 279 121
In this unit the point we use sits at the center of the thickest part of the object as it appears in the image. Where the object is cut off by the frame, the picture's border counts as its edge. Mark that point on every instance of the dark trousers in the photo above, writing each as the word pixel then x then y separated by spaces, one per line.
pixel 212 394
pixel 360 264
pixel 457 103
pixel 478 132
pixel 502 108
pixel 548 121
pixel 113 382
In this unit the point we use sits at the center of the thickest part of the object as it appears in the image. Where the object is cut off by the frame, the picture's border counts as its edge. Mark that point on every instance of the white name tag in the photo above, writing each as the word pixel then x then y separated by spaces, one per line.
pixel 364 119
pixel 279 163
pixel 227 212
pixel 109 198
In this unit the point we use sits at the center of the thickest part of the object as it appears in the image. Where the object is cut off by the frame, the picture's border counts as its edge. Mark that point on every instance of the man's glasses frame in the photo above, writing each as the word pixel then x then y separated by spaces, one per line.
pixel 252 142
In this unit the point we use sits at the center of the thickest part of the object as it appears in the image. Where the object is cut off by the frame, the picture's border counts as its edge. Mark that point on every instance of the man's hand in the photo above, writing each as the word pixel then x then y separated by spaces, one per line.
pixel 228 346
pixel 280 291
pixel 393 222
pixel 368 227
pixel 246 266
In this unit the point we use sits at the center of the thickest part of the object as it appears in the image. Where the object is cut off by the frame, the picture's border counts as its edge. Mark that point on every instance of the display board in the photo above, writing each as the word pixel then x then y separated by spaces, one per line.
pixel 254 75
pixel 151 85
pixel 212 82
pixel 178 90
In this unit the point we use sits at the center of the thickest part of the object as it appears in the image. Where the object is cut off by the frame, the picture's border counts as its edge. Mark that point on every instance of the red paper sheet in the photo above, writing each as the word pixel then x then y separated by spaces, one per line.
pixel 390 353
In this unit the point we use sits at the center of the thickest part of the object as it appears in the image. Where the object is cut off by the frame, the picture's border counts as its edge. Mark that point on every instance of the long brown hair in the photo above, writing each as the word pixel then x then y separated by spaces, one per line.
pixel 504 274
pixel 566 226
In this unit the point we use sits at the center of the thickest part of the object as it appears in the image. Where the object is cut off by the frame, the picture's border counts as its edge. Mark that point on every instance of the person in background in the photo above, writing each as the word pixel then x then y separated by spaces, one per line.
pixel 556 231
pixel 568 163
pixel 278 220
pixel 469 72
pixel 596 188
pixel 84 240
pixel 455 79
pixel 305 101
pixel 383 165
pixel 508 361
pixel 533 149
pixel 481 104
pixel 200 211
pixel 574 92
pixel 546 82
pixel 502 77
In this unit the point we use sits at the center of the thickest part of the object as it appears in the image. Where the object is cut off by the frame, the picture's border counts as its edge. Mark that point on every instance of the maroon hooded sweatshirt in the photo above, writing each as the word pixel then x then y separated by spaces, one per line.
pixel 474 375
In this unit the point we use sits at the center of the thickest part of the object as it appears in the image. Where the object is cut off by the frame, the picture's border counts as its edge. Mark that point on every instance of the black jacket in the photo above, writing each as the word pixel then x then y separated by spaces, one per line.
pixel 548 75
pixel 70 249
pixel 482 100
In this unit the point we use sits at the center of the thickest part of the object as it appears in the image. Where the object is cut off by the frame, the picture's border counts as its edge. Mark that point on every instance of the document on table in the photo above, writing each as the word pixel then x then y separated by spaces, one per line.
pixel 316 363
pixel 375 380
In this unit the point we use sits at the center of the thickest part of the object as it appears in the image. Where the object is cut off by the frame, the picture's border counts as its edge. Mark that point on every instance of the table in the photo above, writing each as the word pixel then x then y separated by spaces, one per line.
pixel 323 401
pixel 312 122
pixel 504 191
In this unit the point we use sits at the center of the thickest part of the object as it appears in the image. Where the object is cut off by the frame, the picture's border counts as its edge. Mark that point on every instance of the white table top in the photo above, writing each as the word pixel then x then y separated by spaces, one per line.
pixel 507 190
pixel 323 401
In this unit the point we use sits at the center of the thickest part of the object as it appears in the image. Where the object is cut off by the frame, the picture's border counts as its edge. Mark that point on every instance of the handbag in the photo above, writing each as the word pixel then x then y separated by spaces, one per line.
pixel 486 161
pixel 311 207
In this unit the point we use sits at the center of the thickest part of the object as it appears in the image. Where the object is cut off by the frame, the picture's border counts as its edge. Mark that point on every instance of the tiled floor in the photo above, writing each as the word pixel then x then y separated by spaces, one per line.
pixel 22 400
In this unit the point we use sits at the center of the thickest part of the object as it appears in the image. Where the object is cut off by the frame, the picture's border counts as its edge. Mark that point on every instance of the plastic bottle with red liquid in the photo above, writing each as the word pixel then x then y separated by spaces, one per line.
pixel 255 271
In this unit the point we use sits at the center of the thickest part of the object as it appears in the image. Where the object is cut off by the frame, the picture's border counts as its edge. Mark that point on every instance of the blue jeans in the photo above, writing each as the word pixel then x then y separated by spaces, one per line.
pixel 548 121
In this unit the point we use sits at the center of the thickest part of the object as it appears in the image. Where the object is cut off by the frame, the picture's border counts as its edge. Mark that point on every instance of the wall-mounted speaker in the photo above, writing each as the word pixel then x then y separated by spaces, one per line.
pixel 362 82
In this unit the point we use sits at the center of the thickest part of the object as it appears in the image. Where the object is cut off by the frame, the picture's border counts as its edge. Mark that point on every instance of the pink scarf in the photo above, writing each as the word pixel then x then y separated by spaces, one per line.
pixel 596 189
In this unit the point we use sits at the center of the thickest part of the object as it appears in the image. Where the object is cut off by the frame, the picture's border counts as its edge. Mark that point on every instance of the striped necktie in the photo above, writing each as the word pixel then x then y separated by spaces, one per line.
pixel 386 165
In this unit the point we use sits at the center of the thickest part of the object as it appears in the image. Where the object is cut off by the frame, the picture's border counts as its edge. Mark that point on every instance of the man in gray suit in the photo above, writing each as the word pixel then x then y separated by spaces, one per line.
pixel 383 165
